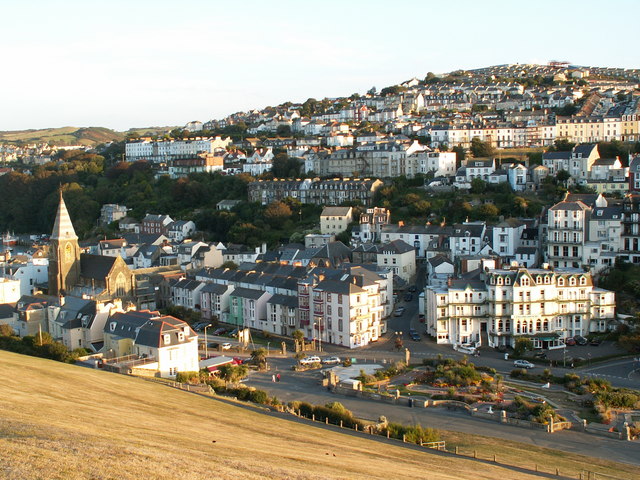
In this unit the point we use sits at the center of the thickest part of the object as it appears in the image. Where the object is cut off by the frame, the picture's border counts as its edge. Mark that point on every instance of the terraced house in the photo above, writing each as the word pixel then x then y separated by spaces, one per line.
pixel 498 306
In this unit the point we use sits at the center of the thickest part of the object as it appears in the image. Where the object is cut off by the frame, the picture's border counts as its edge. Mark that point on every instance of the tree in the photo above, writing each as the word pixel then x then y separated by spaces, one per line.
pixel 232 373
pixel 488 211
pixel 478 185
pixel 230 265
pixel 283 131
pixel 521 204
pixel 6 330
pixel 460 152
pixel 480 148
pixel 277 213
pixel 522 345
pixel 562 145
pixel 259 358
pixel 563 177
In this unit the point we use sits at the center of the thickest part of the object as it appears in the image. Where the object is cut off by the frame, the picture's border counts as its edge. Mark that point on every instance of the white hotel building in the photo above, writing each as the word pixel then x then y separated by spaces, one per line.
pixel 163 151
pixel 544 305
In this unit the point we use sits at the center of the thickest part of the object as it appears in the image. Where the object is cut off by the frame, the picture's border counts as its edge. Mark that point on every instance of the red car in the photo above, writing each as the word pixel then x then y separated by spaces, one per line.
pixel 570 341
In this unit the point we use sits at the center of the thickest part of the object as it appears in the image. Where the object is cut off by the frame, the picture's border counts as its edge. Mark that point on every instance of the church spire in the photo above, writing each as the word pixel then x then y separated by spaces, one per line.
pixel 63 228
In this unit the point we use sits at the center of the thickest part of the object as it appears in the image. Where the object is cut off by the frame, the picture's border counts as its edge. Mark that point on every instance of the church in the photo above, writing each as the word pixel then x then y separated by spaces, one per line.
pixel 83 275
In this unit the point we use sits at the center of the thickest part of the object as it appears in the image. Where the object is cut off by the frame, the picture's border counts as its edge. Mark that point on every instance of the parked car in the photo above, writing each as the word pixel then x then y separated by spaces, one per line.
pixel 226 346
pixel 331 360
pixel 421 318
pixel 412 288
pixel 413 331
pixel 399 311
pixel 213 344
pixel 408 297
pixel 310 360
pixel 198 327
pixel 541 355
pixel 570 341
pixel 523 364
pixel 595 342
pixel 220 331
pixel 580 340
pixel 415 337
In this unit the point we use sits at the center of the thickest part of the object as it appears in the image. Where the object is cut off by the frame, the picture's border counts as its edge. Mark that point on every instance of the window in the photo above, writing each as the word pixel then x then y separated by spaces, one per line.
pixel 340 325
pixel 167 339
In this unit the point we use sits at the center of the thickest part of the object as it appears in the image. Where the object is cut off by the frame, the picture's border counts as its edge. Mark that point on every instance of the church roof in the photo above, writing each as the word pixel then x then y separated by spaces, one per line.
pixel 96 266
pixel 63 228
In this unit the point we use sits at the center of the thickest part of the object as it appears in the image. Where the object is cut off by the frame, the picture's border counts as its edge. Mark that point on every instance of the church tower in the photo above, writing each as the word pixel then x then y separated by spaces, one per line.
pixel 64 253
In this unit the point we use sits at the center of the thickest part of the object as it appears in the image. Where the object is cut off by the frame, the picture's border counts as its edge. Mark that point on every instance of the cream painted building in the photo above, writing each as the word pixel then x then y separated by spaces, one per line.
pixel 503 305
pixel 164 344
pixel 334 220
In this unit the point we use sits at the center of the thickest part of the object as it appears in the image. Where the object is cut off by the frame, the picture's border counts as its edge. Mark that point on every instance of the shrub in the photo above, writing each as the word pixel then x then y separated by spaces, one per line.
pixel 413 434
pixel 186 377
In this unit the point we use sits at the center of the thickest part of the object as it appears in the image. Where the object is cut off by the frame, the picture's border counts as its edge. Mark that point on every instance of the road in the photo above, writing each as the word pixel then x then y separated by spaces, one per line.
pixel 305 386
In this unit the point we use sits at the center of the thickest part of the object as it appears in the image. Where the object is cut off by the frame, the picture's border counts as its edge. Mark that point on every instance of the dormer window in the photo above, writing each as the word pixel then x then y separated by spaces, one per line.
pixel 561 282
pixel 181 336
pixel 499 280
pixel 112 326
pixel 572 281
pixel 583 281
pixel 507 281
pixel 167 339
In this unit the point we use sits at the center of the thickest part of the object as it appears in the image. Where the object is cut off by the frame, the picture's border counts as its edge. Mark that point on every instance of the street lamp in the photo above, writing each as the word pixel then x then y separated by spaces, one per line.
pixel 206 353
pixel 313 334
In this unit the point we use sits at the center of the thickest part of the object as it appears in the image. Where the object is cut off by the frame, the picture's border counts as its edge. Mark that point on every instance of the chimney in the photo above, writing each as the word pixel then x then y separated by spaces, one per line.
pixel 401 223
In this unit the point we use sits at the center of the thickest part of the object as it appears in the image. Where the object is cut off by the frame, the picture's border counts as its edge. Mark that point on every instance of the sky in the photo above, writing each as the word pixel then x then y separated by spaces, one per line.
pixel 137 63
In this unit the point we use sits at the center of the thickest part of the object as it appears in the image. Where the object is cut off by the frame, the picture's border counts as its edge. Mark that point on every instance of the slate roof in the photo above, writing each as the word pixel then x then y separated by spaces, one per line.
pixel 569 206
pixel 285 300
pixel 148 328
pixel 74 311
pixel 215 288
pixel 397 246
pixel 96 266
pixel 343 288
pixel 249 293
pixel 7 309
pixel 335 211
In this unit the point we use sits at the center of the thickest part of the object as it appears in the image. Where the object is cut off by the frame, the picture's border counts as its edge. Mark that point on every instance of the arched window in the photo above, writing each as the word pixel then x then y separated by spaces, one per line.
pixel 121 285
pixel 583 281
pixel 538 325
pixel 546 325
pixel 499 280
pixel 507 281
pixel 561 282
pixel 572 281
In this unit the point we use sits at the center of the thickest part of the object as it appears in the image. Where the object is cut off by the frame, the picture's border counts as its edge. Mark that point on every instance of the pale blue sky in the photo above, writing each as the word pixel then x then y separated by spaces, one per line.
pixel 122 64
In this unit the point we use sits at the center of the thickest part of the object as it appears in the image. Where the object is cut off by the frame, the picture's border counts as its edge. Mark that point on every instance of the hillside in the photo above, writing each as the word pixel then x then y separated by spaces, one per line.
pixel 90 136
pixel 59 421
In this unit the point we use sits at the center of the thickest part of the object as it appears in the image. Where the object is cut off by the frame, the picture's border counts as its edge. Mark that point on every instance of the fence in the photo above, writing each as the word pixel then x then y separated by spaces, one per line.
pixel 441 448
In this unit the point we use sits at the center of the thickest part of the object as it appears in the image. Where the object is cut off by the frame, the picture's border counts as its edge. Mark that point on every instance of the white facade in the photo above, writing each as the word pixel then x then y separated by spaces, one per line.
pixel 10 290
pixel 545 305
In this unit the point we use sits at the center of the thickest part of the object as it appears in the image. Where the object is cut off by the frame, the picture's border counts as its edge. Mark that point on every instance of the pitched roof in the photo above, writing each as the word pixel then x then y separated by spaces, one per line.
pixel 335 211
pixel 96 266
pixel 396 246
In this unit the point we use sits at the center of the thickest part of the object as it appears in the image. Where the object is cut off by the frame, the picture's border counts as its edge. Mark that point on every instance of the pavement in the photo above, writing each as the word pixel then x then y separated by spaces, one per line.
pixel 306 386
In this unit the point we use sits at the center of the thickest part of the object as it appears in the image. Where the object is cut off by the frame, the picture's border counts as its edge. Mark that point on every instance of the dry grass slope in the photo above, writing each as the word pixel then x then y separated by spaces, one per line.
pixel 58 421
pixel 90 136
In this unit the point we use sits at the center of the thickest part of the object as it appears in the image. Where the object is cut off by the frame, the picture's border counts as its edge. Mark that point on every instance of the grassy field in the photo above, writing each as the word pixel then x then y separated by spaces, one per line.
pixel 90 136
pixel 59 421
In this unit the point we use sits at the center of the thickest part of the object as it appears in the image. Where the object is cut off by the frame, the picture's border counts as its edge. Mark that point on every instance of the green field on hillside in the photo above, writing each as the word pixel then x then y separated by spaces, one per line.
pixel 90 136
pixel 60 421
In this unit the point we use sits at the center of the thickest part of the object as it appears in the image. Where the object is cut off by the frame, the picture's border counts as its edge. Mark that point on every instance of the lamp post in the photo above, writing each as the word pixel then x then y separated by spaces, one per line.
pixel 320 336
pixel 313 334
pixel 266 360
pixel 206 352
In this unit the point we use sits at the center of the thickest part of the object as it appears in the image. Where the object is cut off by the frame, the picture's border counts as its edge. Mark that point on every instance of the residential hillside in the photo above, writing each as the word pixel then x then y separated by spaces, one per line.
pixel 79 423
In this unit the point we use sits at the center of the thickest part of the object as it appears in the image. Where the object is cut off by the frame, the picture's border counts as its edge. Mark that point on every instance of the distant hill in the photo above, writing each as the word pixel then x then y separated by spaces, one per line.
pixel 59 421
pixel 89 136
